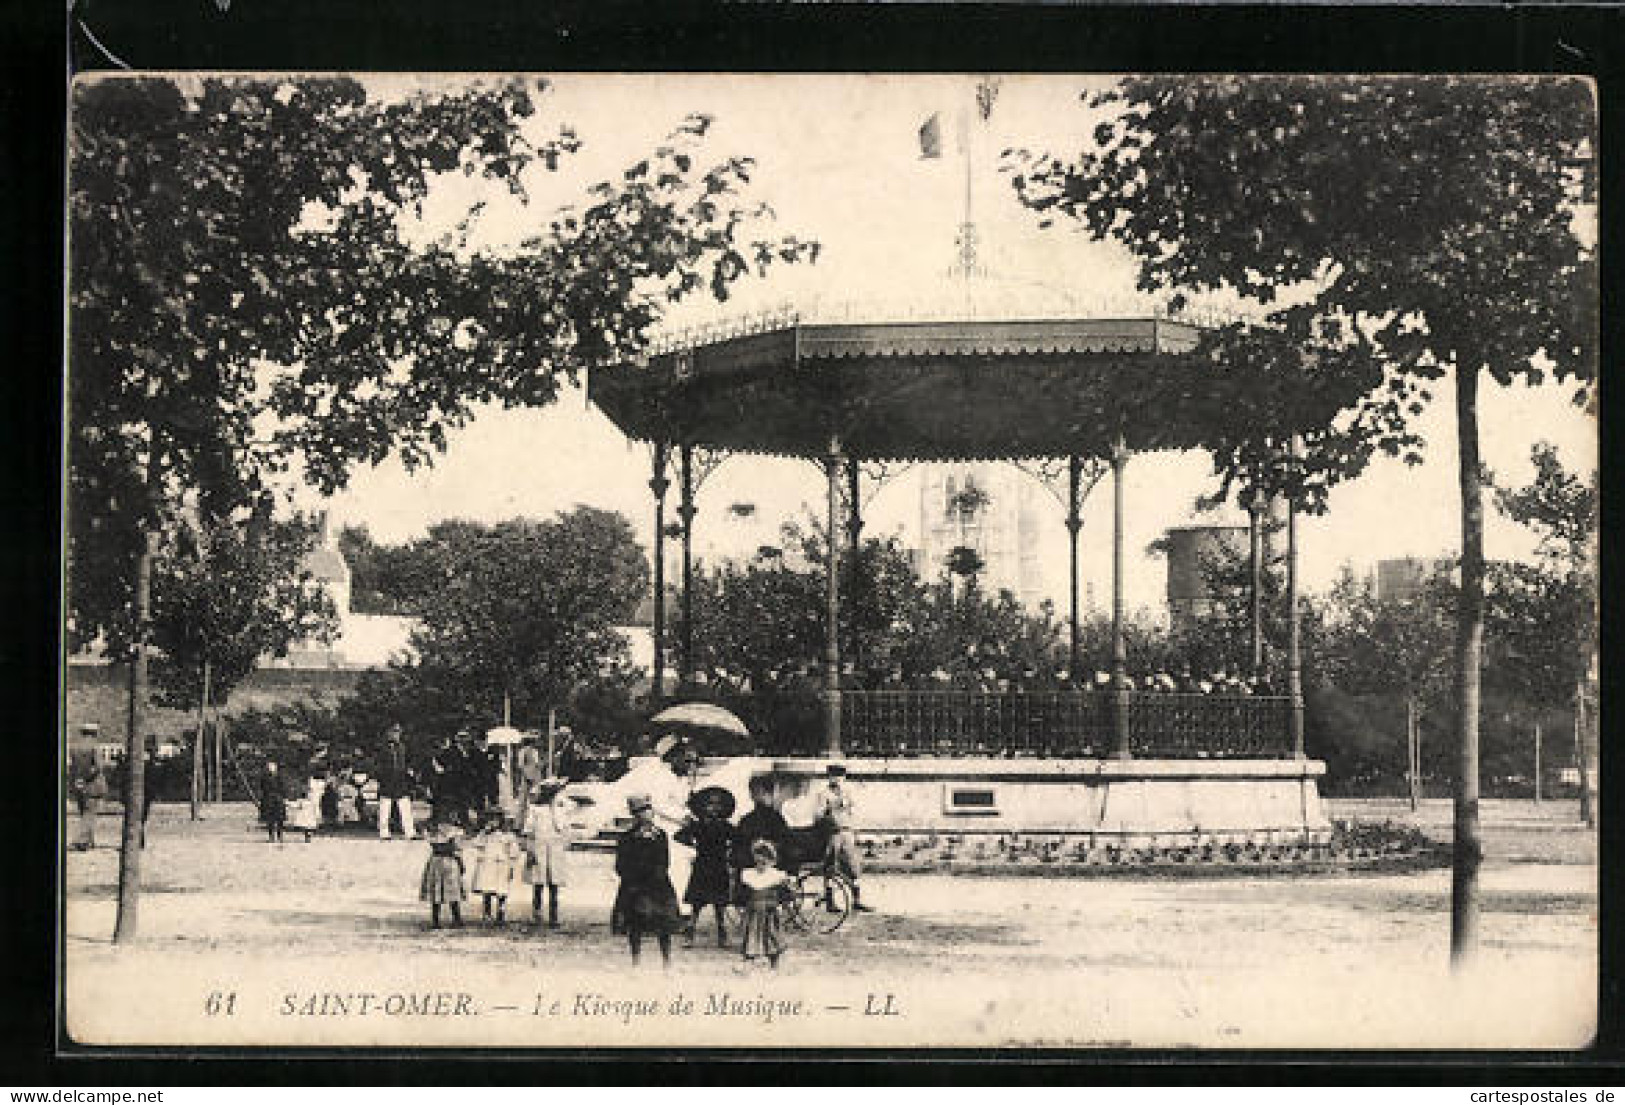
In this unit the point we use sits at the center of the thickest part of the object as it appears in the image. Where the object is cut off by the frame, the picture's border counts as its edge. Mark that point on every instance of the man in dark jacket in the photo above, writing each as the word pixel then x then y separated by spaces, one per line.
pixel 273 802
pixel 394 785
pixel 763 822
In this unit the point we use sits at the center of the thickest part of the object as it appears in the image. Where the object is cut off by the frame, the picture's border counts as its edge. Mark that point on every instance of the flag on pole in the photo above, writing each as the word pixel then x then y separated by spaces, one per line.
pixel 931 136
pixel 987 90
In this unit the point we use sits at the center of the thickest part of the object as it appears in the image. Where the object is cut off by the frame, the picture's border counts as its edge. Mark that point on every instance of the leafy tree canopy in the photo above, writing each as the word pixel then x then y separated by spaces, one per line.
pixel 1393 227
pixel 526 608
pixel 229 594
pixel 250 287
pixel 1543 616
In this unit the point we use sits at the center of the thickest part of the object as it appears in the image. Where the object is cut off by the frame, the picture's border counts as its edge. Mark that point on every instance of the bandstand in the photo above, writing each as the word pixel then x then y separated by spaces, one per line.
pixel 1078 398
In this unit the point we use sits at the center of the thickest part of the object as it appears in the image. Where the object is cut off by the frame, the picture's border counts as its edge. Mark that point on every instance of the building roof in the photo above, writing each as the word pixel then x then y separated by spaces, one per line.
pixel 965 390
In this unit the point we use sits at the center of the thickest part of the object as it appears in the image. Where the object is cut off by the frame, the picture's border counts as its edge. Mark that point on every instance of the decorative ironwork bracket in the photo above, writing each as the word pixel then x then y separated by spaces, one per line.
pixel 1054 475
pixel 706 461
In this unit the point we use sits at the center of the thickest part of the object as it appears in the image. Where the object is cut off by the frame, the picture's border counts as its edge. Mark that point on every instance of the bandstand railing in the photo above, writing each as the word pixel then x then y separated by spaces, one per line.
pixel 1046 724
pixel 1204 726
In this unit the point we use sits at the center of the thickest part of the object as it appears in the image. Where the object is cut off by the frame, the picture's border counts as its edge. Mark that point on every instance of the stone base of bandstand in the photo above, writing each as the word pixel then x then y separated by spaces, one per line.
pixel 1090 802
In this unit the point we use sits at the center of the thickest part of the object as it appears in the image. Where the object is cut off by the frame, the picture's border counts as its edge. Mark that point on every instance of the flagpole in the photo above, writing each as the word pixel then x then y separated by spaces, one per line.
pixel 967 131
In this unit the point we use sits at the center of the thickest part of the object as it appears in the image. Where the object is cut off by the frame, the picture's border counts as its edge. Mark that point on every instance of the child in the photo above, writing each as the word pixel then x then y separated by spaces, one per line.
pixel 710 880
pixel 548 837
pixel 443 874
pixel 765 890
pixel 643 862
pixel 302 811
pixel 496 861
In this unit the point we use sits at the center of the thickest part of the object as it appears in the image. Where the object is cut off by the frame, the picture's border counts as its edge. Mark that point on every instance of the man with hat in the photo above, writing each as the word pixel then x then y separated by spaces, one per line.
pixel 530 768
pixel 835 816
pixel 395 784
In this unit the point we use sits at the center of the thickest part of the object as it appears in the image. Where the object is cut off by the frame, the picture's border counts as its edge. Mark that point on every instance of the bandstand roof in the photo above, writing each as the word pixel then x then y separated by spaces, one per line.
pixel 982 390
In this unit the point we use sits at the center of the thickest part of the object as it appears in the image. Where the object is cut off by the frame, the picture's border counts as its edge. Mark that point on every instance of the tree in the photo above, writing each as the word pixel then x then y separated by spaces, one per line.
pixel 1544 615
pixel 384 579
pixel 249 289
pixel 763 620
pixel 524 612
pixel 1397 645
pixel 1409 227
pixel 226 594
pixel 230 595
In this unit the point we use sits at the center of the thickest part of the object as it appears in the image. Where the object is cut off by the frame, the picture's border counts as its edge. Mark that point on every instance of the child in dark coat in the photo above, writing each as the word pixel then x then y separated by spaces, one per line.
pixel 646 901
pixel 710 880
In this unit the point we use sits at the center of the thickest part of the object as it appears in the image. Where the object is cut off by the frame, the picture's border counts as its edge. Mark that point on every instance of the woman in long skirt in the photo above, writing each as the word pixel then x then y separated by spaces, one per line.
pixel 646 899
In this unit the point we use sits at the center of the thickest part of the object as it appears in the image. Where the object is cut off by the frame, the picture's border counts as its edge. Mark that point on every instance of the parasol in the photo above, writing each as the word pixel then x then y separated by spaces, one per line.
pixel 700 717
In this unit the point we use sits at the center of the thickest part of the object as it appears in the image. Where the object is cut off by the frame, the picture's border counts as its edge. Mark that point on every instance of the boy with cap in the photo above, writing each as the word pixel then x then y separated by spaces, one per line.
pixel 646 899
pixel 835 814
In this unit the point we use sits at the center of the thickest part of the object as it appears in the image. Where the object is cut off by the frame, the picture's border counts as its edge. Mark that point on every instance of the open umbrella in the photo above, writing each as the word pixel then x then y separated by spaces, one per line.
pixel 710 727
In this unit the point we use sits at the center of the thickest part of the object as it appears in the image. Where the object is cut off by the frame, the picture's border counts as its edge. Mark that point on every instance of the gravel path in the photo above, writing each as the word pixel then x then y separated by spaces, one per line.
pixel 1330 960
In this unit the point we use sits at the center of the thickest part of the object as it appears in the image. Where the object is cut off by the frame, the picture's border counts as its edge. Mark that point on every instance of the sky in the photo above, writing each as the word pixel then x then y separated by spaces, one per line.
pixel 839 161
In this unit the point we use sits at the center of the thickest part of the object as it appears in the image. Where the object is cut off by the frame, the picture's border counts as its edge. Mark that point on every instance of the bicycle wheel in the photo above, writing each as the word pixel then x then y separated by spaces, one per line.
pixel 821 902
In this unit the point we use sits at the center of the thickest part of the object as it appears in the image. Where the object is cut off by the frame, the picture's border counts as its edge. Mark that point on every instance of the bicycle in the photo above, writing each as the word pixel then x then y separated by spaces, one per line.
pixel 819 901
pixel 819 898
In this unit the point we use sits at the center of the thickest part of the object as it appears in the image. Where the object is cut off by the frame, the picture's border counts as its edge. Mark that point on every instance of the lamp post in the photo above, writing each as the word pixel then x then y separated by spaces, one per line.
pixel 1120 686
pixel 658 483
pixel 832 595
pixel 1294 669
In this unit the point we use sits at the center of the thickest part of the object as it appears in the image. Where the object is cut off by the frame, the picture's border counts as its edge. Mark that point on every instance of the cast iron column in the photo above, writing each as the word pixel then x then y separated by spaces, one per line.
pixel 658 483
pixel 685 514
pixel 1294 665
pixel 854 538
pixel 1120 687
pixel 1074 523
pixel 832 629
pixel 1255 516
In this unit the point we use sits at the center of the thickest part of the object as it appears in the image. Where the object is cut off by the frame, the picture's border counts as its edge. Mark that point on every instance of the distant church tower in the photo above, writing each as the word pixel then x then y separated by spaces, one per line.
pixel 329 573
pixel 1003 530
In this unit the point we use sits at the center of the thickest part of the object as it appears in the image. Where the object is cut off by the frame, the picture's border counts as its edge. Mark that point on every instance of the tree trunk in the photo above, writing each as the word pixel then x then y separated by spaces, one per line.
pixel 218 767
pixel 127 925
pixel 1413 760
pixel 197 744
pixel 1468 850
pixel 1537 763
pixel 1583 758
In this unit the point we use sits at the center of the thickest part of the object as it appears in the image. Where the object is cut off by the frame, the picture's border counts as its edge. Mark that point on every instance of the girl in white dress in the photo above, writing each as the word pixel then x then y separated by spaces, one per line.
pixel 548 836
pixel 497 857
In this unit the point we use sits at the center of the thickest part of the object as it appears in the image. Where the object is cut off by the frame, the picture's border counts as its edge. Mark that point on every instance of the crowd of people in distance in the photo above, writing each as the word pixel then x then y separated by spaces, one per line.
pixel 461 775
pixel 990 679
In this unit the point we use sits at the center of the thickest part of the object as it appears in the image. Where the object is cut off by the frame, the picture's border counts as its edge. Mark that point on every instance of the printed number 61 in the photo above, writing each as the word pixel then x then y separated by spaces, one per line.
pixel 217 1003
